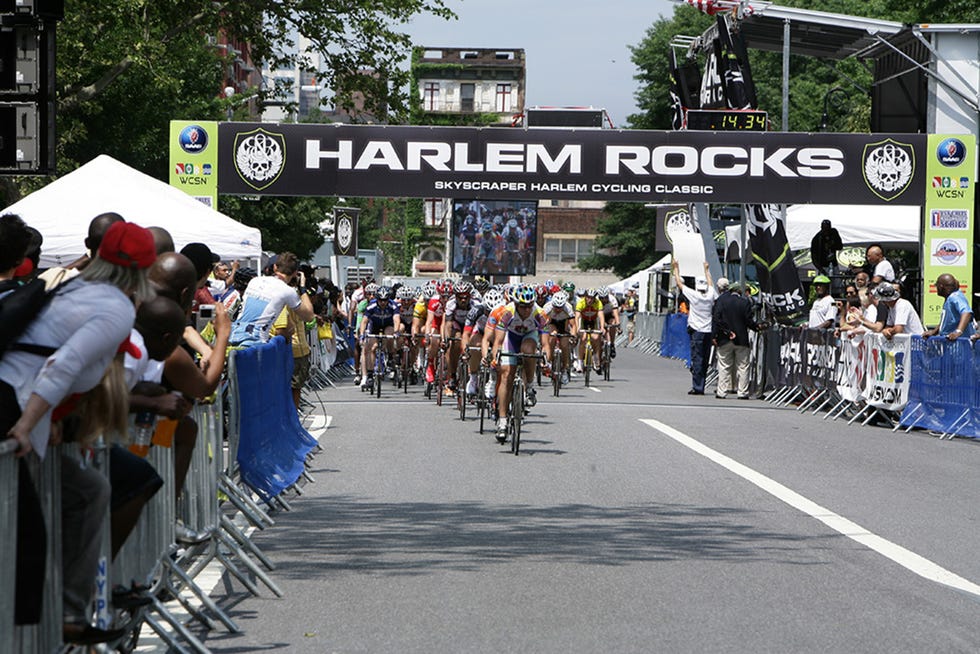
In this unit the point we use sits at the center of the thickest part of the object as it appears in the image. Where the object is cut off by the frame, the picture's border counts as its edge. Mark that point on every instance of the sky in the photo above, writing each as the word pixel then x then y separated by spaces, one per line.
pixel 576 51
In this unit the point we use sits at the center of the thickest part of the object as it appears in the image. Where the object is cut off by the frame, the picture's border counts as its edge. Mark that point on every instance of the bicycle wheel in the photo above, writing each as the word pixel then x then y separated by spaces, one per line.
pixel 556 371
pixel 606 361
pixel 379 372
pixel 440 378
pixel 516 413
pixel 482 403
pixel 587 362
pixel 462 375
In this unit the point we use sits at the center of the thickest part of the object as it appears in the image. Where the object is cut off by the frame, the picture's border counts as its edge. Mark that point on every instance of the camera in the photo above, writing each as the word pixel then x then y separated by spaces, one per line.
pixel 205 314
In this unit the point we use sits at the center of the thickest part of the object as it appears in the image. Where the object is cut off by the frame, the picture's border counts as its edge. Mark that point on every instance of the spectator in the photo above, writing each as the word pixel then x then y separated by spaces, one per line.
pixel 289 325
pixel 220 283
pixel 14 239
pixel 872 314
pixel 86 322
pixel 881 268
pixel 203 260
pixel 823 313
pixel 957 317
pixel 732 318
pixel 701 300
pixel 162 239
pixel 824 248
pixel 630 306
pixel 902 318
pixel 264 299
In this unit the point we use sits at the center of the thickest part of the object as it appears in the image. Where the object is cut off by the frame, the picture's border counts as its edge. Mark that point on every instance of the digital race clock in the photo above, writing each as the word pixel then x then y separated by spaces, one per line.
pixel 726 120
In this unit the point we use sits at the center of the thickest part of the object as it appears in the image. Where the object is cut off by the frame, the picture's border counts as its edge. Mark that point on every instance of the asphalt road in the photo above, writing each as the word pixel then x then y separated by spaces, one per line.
pixel 722 526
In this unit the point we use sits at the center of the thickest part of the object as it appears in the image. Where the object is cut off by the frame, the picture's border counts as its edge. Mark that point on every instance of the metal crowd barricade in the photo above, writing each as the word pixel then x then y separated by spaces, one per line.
pixel 45 636
pixel 648 332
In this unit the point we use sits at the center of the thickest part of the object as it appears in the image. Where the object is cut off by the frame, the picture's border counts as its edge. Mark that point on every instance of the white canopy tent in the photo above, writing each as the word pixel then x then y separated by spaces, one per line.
pixel 890 226
pixel 63 209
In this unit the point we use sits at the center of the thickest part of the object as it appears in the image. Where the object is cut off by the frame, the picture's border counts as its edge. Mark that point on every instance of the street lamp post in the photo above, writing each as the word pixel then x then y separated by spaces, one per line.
pixel 229 93
pixel 825 118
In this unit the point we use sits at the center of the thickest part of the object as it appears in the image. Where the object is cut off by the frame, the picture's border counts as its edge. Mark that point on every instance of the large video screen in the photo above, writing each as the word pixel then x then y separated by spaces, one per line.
pixel 494 237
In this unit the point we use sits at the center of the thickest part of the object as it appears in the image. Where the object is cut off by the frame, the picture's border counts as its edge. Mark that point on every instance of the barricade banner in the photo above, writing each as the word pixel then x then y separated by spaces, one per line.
pixel 773 370
pixel 851 367
pixel 790 356
pixel 272 443
pixel 676 344
pixel 888 371
pixel 975 382
pixel 942 388
pixel 820 358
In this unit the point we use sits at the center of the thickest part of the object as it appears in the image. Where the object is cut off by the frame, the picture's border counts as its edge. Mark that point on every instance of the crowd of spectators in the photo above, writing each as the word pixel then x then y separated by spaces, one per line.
pixel 133 327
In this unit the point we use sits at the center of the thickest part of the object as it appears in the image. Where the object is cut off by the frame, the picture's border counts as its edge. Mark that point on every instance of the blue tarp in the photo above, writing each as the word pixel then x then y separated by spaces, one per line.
pixel 272 443
pixel 943 387
pixel 676 344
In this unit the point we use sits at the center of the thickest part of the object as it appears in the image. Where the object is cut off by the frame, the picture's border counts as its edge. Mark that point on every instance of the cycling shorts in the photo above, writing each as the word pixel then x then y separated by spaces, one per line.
pixel 512 344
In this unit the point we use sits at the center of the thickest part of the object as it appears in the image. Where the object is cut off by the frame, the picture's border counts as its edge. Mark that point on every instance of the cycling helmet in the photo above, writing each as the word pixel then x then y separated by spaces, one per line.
pixel 371 288
pixel 444 287
pixel 541 290
pixel 481 283
pixel 549 283
pixel 463 288
pixel 603 291
pixel 591 292
pixel 569 288
pixel 559 298
pixel 493 299
pixel 405 293
pixel 383 293
pixel 523 294
pixel 486 227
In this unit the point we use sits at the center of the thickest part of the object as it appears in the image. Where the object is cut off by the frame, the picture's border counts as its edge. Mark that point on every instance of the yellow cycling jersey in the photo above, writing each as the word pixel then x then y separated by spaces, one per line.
pixel 588 308
pixel 421 310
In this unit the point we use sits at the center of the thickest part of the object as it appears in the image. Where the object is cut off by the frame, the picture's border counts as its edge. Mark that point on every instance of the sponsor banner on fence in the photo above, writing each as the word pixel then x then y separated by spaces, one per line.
pixel 774 264
pixel 820 358
pixel 194 159
pixel 887 371
pixel 626 165
pixel 851 367
pixel 948 230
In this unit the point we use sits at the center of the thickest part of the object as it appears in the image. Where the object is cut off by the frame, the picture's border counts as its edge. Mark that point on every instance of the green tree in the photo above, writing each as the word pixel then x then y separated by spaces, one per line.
pixel 128 67
pixel 626 232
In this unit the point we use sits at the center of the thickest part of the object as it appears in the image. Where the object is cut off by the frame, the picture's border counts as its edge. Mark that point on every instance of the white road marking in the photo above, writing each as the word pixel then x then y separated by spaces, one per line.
pixel 905 558
pixel 593 388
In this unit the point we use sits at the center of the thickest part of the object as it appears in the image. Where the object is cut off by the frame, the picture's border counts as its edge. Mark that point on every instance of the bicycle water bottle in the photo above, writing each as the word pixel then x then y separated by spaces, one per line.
pixel 143 433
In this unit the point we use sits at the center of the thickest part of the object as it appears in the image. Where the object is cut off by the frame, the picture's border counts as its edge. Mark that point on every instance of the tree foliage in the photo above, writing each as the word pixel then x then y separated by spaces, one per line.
pixel 126 68
pixel 627 232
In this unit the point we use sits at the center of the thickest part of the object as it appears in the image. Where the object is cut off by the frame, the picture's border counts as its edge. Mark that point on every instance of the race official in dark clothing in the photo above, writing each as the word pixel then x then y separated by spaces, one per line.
pixel 732 318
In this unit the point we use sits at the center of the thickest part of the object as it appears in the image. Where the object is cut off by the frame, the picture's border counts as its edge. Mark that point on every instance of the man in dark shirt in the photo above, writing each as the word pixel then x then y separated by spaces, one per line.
pixel 824 248
pixel 731 320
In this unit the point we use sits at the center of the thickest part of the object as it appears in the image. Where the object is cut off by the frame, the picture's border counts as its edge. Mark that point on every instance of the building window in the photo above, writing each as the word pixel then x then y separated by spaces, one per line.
pixel 433 212
pixel 504 97
pixel 567 250
pixel 431 254
pixel 467 92
pixel 430 97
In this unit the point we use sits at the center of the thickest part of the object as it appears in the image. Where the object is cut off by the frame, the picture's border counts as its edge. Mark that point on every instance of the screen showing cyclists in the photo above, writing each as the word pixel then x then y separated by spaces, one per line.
pixel 494 237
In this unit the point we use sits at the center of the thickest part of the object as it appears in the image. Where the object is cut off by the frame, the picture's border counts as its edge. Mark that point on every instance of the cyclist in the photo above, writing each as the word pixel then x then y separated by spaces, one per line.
pixel 359 303
pixel 474 330
pixel 542 294
pixel 435 310
pixel 561 316
pixel 513 238
pixel 457 309
pixel 518 330
pixel 480 285
pixel 610 311
pixel 589 316
pixel 406 314
pixel 489 248
pixel 380 317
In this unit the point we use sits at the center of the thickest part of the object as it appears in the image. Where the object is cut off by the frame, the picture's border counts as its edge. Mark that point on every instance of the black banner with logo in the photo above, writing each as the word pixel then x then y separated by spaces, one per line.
pixel 345 231
pixel 615 165
pixel 671 219
pixel 774 265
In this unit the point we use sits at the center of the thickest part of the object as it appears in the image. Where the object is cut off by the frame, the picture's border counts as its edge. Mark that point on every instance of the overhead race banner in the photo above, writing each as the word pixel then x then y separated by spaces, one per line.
pixel 621 165
pixel 194 159
pixel 947 241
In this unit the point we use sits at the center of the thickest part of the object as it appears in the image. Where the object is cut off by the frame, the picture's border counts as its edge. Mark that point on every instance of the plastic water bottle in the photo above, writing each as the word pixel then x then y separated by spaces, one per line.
pixel 143 433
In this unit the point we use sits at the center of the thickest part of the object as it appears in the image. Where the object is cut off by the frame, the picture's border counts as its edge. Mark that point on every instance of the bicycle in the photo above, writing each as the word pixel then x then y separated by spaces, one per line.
pixel 556 368
pixel 517 401
pixel 441 368
pixel 462 378
pixel 380 362
pixel 483 403
pixel 589 355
